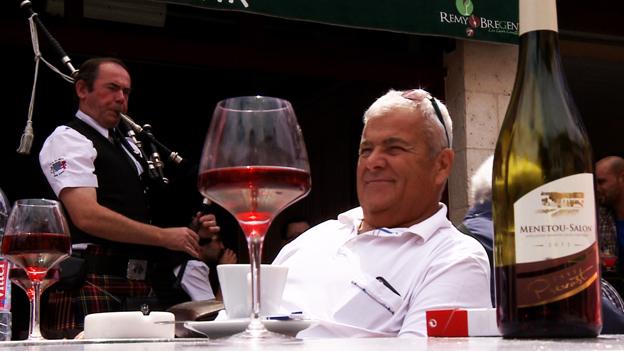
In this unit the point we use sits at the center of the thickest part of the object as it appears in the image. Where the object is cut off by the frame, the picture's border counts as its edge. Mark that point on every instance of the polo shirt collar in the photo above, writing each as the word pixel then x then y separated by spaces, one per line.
pixel 91 122
pixel 424 229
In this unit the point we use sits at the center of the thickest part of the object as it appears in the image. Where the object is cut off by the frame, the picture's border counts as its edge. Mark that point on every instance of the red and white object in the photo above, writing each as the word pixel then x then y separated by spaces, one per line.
pixel 462 322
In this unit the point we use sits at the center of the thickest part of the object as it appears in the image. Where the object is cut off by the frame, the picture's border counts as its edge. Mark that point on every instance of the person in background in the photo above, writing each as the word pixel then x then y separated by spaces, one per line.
pixel 98 176
pixel 377 268
pixel 198 278
pixel 478 224
pixel 478 219
pixel 610 195
pixel 293 228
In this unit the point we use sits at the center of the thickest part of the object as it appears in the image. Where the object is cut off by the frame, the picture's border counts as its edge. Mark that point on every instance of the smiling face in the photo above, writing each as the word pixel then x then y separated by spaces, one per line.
pixel 399 179
pixel 108 97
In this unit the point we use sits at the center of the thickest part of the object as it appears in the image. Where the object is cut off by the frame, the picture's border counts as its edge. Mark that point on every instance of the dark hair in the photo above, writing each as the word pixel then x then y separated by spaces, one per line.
pixel 89 70
pixel 208 240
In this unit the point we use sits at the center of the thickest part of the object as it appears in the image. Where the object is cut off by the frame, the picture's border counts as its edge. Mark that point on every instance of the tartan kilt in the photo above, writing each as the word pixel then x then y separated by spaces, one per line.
pixel 65 310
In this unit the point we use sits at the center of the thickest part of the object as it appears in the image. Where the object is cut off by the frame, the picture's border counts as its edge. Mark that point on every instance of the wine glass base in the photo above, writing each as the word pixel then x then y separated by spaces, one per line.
pixel 36 338
pixel 256 333
pixel 262 337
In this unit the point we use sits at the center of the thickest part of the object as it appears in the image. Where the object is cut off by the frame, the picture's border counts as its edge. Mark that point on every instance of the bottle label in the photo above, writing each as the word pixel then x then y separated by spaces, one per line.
pixel 555 240
pixel 544 282
pixel 4 285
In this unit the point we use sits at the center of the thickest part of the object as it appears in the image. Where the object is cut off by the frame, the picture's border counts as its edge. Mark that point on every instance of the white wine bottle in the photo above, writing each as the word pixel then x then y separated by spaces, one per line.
pixel 546 257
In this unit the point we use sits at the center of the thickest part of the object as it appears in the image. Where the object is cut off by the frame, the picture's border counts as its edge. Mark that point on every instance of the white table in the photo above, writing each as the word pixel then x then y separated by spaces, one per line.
pixel 602 343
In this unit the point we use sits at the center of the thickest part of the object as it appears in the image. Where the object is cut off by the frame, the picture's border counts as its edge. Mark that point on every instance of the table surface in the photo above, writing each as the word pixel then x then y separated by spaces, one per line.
pixel 604 342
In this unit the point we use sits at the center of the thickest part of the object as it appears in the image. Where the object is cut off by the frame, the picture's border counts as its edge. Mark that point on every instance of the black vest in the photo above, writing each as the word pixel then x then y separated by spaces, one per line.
pixel 119 187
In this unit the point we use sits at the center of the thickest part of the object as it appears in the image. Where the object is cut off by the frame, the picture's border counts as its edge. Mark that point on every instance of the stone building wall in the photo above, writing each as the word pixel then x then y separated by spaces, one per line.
pixel 479 80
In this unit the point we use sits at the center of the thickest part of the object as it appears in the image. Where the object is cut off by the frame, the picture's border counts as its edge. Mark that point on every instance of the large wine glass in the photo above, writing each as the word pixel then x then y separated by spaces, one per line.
pixel 254 164
pixel 36 239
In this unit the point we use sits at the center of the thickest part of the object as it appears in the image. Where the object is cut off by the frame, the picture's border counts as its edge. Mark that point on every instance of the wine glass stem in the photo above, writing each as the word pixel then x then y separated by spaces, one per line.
pixel 34 332
pixel 255 255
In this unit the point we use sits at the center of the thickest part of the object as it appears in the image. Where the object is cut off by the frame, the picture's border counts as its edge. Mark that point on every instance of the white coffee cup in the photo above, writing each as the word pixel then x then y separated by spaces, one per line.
pixel 235 282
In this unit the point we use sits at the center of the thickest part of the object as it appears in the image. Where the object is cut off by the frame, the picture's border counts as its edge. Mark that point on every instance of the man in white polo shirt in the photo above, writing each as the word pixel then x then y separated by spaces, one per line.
pixel 376 269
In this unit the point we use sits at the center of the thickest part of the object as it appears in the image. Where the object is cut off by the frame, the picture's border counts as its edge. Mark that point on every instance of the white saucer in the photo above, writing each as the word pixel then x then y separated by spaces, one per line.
pixel 218 329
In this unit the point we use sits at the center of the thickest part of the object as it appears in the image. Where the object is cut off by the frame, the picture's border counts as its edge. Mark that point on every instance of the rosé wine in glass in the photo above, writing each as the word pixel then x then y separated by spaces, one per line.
pixel 36 252
pixel 254 194
pixel 254 164
pixel 20 278
pixel 36 239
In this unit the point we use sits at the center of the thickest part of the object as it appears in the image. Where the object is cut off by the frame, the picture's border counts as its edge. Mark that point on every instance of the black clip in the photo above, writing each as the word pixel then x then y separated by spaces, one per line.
pixel 385 282
pixel 145 309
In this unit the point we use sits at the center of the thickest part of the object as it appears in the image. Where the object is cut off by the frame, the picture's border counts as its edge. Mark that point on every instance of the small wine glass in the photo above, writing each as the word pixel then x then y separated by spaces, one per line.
pixel 254 164
pixel 36 239
pixel 609 261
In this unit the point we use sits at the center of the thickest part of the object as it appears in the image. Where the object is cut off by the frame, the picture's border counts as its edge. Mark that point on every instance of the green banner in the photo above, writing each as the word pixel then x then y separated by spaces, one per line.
pixel 487 20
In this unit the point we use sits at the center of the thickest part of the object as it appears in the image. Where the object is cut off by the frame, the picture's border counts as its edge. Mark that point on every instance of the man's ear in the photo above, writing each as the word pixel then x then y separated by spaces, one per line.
pixel 444 165
pixel 620 178
pixel 81 89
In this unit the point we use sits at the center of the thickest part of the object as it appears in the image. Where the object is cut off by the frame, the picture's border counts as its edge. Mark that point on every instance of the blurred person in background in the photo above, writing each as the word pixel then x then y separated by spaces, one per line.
pixel 198 278
pixel 478 220
pixel 293 228
pixel 610 194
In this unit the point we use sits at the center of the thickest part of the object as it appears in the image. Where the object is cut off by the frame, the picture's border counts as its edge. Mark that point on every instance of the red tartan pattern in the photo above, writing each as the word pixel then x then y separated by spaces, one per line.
pixel 57 313
pixel 95 250
pixel 67 309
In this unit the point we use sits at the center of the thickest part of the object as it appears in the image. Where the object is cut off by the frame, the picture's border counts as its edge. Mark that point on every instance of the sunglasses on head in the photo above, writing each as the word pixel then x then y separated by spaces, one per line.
pixel 411 95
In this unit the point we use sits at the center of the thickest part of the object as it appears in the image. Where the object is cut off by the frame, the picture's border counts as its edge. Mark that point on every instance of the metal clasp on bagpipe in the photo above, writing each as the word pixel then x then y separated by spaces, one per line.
pixel 155 166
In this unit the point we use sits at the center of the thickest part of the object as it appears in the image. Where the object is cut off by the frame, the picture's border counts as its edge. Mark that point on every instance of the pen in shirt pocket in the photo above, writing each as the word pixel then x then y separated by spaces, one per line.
pixel 385 282
pixel 298 315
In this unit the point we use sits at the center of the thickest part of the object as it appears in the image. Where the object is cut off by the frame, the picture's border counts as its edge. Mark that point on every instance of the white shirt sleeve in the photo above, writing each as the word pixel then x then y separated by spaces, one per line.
pixel 450 283
pixel 66 160
pixel 195 281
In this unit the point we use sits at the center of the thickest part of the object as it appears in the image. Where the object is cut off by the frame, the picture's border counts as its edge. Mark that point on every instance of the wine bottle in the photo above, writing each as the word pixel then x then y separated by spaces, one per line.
pixel 546 257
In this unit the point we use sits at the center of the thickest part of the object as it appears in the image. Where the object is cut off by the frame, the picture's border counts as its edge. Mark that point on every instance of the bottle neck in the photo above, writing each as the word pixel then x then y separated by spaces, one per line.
pixel 539 42
pixel 537 15
pixel 540 48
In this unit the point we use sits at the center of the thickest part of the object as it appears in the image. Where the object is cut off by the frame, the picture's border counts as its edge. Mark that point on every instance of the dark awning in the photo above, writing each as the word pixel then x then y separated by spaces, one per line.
pixel 487 20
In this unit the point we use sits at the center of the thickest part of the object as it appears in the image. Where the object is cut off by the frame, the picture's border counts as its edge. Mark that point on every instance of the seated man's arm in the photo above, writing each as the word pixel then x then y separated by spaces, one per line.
pixel 89 216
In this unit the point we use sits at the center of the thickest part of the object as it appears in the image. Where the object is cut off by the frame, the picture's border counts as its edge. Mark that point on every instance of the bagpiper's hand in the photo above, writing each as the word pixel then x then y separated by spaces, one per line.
pixel 181 239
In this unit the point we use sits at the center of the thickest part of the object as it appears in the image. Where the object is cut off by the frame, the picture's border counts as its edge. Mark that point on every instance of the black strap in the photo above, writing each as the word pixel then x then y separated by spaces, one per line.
pixel 122 144
pixel 180 275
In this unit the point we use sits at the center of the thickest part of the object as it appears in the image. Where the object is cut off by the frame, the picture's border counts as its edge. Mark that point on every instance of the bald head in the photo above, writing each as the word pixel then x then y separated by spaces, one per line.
pixel 614 163
pixel 610 182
